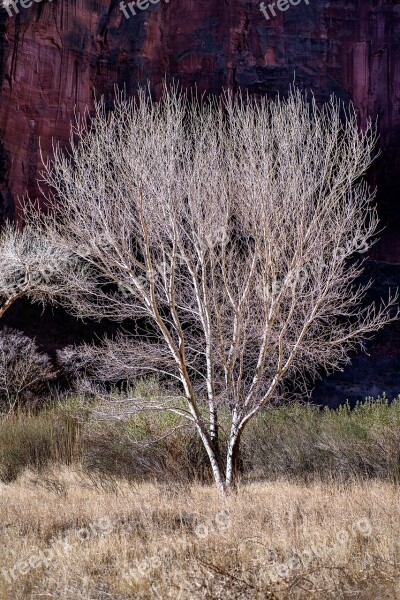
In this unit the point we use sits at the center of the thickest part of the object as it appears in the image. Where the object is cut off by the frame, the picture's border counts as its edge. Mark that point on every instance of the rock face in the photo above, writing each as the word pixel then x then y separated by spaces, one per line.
pixel 57 54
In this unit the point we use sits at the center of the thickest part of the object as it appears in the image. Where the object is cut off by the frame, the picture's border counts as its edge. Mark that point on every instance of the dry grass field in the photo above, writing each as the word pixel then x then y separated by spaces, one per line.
pixel 65 536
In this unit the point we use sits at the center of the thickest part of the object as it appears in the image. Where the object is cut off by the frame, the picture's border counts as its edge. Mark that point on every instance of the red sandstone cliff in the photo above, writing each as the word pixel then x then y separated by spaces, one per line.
pixel 56 55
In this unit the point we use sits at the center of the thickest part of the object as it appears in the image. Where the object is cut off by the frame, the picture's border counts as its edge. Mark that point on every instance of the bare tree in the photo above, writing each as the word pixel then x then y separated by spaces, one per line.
pixel 24 371
pixel 30 266
pixel 232 228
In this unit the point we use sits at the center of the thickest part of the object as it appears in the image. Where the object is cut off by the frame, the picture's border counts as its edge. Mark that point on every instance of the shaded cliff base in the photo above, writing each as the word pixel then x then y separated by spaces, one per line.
pixel 369 374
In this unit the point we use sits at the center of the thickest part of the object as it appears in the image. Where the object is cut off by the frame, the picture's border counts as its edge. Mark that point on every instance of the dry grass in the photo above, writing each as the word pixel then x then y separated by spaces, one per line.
pixel 154 541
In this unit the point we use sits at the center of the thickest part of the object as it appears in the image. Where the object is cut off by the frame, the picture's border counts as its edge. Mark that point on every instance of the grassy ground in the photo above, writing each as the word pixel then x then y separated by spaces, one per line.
pixel 67 536
pixel 112 511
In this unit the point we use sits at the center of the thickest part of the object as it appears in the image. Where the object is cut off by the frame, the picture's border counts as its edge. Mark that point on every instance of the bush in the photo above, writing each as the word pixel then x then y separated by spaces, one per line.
pixel 24 371
pixel 34 441
pixel 299 441
pixel 155 444
pixel 306 442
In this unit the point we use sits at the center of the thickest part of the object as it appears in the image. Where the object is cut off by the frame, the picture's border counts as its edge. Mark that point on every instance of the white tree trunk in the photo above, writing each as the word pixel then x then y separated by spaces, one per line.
pixel 218 477
pixel 232 452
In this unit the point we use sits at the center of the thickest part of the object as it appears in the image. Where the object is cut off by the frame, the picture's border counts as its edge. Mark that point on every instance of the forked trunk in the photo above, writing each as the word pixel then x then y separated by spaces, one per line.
pixel 215 460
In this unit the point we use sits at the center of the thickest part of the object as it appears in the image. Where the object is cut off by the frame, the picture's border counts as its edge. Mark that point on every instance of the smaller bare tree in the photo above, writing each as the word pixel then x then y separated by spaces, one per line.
pixel 30 266
pixel 24 371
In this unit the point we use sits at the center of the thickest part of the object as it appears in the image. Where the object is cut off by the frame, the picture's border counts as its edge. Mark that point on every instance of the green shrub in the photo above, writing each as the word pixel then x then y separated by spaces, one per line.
pixel 298 441
pixel 35 440
pixel 156 445
pixel 306 442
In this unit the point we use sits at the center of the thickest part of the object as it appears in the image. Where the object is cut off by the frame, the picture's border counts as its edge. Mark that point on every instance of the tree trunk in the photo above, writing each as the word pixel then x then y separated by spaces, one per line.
pixel 215 460
pixel 216 471
pixel 232 459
